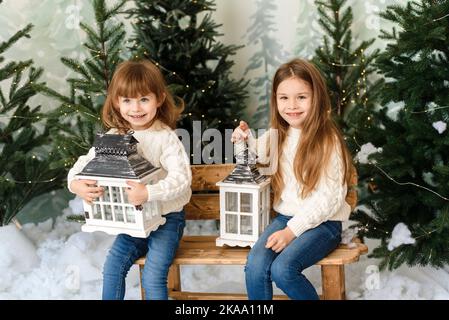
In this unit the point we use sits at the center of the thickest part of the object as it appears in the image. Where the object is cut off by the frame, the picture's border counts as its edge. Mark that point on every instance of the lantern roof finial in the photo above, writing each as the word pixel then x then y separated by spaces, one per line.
pixel 245 171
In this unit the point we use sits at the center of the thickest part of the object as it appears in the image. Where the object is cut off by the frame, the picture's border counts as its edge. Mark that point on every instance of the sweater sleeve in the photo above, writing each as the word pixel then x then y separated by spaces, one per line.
pixel 324 201
pixel 179 175
pixel 79 166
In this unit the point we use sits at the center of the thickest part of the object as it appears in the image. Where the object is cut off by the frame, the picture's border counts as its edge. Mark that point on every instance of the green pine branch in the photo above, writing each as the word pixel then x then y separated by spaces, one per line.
pixel 26 163
pixel 413 190
pixel 24 33
pixel 77 118
pixel 347 68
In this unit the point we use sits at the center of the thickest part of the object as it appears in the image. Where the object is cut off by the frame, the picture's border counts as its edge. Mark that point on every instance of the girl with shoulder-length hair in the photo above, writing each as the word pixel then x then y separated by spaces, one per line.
pixel 138 101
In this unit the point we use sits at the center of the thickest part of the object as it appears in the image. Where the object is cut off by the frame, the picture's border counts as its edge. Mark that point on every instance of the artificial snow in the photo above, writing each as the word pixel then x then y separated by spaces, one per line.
pixel 55 260
pixel 399 236
pixel 394 107
pixel 347 235
pixel 367 210
pixel 22 260
pixel 439 126
pixel 428 178
pixel 365 151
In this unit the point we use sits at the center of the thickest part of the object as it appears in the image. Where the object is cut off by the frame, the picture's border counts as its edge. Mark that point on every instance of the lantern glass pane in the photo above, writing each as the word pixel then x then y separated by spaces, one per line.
pixel 125 197
pixel 148 211
pixel 130 216
pixel 246 202
pixel 118 210
pixel 154 209
pixel 246 225
pixel 97 211
pixel 231 223
pixel 107 212
pixel 115 194
pixel 231 201
pixel 106 194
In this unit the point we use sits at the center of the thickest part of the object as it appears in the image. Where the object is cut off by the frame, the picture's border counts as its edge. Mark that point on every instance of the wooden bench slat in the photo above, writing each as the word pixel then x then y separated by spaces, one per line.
pixel 203 207
pixel 204 177
pixel 212 256
pixel 186 295
pixel 206 206
pixel 197 250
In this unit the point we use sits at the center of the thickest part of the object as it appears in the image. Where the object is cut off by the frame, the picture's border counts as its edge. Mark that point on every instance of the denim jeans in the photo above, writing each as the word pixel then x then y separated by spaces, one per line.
pixel 160 248
pixel 285 268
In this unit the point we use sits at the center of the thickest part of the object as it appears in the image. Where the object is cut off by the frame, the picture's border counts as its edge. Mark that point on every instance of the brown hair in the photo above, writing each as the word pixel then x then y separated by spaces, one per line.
pixel 139 78
pixel 319 132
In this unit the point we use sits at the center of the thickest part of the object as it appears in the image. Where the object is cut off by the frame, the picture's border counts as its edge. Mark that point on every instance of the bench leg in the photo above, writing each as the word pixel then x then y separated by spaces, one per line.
pixel 333 282
pixel 142 290
pixel 174 279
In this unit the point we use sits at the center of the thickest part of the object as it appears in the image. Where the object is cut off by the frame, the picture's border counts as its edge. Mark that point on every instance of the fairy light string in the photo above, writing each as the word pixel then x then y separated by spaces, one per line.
pixel 401 183
pixel 426 233
pixel 429 110
pixel 360 86
pixel 30 181
pixel 437 19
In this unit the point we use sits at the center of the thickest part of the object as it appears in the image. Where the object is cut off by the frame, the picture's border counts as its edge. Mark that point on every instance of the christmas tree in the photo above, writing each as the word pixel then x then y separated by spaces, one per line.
pixel 27 167
pixel 179 36
pixel 269 57
pixel 77 119
pixel 347 68
pixel 404 156
pixel 310 31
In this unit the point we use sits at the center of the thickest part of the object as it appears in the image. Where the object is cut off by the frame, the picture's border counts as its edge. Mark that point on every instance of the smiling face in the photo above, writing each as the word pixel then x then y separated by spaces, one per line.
pixel 294 101
pixel 138 111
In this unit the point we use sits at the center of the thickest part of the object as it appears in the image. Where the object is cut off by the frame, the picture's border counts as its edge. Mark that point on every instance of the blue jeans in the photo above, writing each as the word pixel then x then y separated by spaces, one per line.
pixel 285 268
pixel 160 248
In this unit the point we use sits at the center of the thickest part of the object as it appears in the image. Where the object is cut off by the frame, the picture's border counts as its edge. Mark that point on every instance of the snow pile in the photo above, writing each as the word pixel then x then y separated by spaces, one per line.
pixel 365 282
pixel 55 260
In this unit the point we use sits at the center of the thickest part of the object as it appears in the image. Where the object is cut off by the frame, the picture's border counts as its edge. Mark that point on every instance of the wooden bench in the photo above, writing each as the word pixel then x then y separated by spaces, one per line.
pixel 201 250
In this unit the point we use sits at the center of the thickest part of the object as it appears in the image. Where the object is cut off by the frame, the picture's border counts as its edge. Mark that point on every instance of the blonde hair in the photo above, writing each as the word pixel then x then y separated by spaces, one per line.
pixel 139 78
pixel 318 135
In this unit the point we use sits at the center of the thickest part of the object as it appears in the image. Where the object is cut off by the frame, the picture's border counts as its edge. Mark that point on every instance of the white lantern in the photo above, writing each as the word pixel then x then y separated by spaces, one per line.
pixel 244 203
pixel 116 161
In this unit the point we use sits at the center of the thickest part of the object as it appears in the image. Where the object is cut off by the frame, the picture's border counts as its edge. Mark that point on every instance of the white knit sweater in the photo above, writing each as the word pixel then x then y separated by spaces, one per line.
pixel 162 148
pixel 325 202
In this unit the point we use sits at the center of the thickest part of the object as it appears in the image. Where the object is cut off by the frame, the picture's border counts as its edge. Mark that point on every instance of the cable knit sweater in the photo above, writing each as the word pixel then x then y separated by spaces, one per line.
pixel 325 202
pixel 162 148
